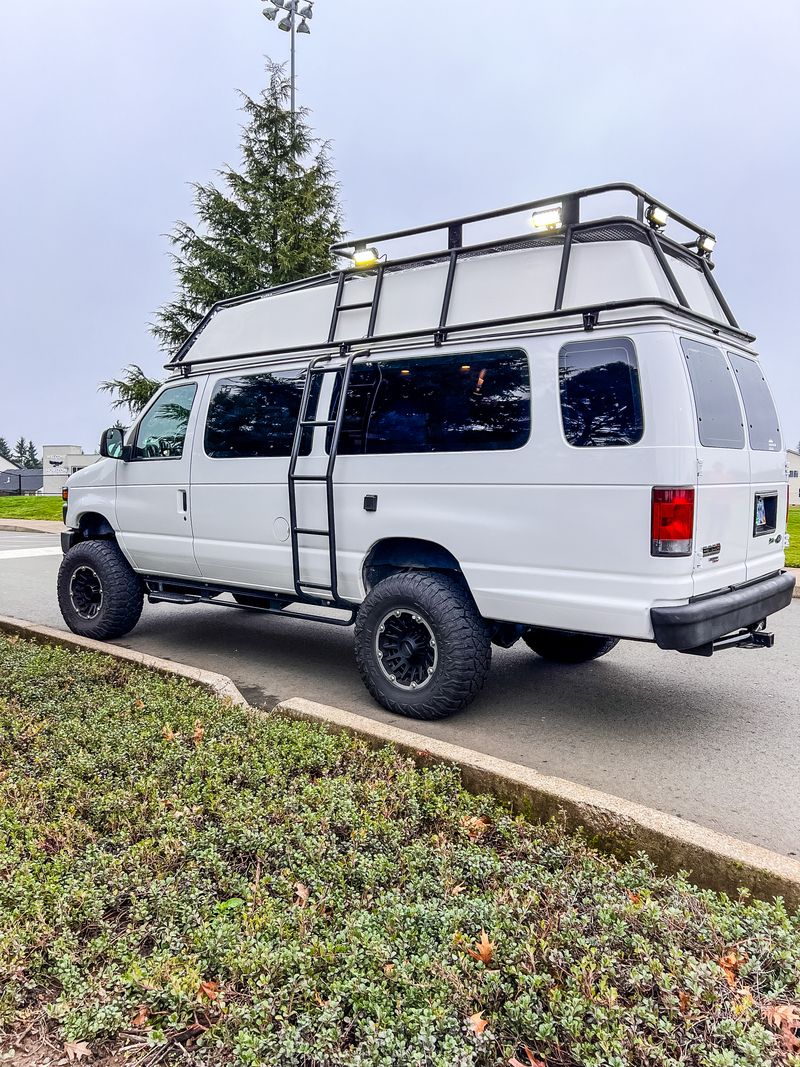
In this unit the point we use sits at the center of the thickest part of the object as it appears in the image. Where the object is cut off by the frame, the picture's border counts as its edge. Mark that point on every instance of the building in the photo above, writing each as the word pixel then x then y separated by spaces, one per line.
pixel 7 465
pixel 793 464
pixel 20 482
pixel 58 462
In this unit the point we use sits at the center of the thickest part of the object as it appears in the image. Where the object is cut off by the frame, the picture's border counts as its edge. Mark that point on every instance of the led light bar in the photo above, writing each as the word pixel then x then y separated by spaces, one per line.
pixel 548 218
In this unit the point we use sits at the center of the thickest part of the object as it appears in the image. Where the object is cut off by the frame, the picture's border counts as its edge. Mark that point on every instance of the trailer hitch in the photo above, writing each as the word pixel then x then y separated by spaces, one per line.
pixel 755 636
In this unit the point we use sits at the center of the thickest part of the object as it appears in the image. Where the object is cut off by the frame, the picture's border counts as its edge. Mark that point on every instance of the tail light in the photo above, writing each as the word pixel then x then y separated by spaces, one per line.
pixel 65 494
pixel 672 522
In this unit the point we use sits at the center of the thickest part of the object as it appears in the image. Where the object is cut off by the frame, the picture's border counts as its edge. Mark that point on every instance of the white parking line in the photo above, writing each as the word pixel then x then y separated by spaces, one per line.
pixel 26 553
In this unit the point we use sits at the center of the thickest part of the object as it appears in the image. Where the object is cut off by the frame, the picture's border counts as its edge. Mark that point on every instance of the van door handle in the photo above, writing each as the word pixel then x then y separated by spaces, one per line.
pixel 183 502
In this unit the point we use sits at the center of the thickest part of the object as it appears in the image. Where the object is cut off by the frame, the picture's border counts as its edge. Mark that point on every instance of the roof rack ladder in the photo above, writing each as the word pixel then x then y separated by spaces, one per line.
pixel 372 304
pixel 316 592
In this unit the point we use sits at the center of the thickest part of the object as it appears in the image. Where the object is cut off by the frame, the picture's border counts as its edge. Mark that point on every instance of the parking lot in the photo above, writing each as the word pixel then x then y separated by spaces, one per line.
pixel 712 740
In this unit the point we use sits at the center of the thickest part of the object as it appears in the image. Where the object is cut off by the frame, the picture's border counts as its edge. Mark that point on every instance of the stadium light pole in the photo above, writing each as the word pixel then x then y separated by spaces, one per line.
pixel 296 19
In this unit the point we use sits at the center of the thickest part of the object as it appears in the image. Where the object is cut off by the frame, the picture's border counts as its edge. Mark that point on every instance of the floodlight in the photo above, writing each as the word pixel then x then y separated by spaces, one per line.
pixel 285 24
pixel 365 257
pixel 306 12
pixel 304 27
pixel 270 13
pixel 547 219
pixel 706 243
pixel 658 217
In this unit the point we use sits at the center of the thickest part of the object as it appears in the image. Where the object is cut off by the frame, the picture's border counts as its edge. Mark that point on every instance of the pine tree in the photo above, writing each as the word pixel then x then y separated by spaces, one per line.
pixel 133 390
pixel 272 222
pixel 5 451
pixel 20 452
pixel 32 460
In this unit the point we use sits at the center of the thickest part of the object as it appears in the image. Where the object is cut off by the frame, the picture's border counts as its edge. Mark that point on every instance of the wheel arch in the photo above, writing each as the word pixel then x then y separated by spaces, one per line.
pixel 94 526
pixel 392 555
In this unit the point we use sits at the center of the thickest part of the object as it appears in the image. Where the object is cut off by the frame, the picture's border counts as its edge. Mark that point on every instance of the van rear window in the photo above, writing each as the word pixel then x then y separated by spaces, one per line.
pixel 464 403
pixel 719 417
pixel 762 418
pixel 601 401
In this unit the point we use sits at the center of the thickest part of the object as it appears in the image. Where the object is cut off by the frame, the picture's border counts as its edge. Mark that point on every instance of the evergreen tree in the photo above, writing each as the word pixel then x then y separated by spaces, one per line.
pixel 133 390
pixel 5 451
pixel 271 222
pixel 20 452
pixel 32 460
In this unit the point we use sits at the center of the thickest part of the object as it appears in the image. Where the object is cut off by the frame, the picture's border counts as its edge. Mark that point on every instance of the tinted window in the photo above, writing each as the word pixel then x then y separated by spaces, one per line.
pixel 762 418
pixel 255 415
pixel 162 431
pixel 601 401
pixel 461 403
pixel 719 417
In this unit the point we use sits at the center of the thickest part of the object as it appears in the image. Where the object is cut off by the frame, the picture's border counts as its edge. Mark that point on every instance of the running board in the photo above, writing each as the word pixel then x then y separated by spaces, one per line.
pixel 172 591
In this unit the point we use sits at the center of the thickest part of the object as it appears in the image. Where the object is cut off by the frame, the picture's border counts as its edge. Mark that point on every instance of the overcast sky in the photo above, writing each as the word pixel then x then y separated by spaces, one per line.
pixel 109 110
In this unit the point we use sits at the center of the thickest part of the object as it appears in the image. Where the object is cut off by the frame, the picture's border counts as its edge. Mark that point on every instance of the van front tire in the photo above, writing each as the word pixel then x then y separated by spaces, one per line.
pixel 422 648
pixel 99 594
pixel 562 646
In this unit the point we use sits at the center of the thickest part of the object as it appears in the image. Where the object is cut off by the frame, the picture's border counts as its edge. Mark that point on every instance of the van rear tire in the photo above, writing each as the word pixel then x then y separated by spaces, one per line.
pixel 563 646
pixel 99 593
pixel 422 648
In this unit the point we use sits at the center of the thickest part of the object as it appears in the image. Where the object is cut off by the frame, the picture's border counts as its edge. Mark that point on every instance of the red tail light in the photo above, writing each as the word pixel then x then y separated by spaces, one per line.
pixel 672 527
pixel 65 493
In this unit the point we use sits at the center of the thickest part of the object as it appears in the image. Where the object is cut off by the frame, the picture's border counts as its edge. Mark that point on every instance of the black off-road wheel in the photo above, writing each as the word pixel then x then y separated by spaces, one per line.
pixel 99 594
pixel 563 646
pixel 422 648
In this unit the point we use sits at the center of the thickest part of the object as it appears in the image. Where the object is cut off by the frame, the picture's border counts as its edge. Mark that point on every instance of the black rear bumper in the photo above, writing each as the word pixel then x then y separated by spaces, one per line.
pixel 703 621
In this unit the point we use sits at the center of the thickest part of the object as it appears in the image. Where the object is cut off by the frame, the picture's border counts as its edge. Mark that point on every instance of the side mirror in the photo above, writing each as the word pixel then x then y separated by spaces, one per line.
pixel 112 444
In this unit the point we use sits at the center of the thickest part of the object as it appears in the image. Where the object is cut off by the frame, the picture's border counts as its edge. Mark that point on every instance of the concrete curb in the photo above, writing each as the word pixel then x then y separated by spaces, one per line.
pixel 44 526
pixel 715 861
pixel 216 683
pixel 796 591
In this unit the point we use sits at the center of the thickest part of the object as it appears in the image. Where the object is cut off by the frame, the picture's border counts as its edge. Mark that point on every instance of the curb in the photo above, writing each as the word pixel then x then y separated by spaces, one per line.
pixel 796 573
pixel 621 827
pixel 216 683
pixel 42 526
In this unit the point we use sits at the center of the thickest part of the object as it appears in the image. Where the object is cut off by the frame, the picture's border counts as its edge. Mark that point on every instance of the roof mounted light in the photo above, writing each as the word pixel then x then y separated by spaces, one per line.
pixel 363 258
pixel 657 216
pixel 547 220
pixel 706 244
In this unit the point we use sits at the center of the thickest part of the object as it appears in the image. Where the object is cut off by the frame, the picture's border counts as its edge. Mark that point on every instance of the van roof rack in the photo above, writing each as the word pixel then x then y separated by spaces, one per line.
pixel 560 220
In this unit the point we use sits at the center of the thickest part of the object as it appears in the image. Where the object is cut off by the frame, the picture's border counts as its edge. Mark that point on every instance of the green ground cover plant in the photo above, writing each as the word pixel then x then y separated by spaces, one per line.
pixel 31 507
pixel 793 529
pixel 182 881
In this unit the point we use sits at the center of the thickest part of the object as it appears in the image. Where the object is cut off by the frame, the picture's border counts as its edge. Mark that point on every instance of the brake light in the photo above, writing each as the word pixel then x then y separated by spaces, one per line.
pixel 672 522
pixel 65 493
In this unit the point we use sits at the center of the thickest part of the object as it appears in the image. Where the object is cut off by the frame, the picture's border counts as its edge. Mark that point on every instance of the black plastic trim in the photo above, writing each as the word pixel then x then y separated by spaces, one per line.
pixel 704 620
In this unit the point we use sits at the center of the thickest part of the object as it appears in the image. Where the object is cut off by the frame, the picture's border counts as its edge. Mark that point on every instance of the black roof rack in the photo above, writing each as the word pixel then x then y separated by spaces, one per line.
pixel 572 229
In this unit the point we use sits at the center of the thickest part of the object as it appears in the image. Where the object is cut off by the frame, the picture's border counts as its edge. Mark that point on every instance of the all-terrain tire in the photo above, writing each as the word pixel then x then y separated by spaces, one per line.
pixel 99 593
pixel 563 646
pixel 458 643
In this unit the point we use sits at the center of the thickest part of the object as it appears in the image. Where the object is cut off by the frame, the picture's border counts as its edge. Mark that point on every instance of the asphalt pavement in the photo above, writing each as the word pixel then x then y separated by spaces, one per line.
pixel 713 740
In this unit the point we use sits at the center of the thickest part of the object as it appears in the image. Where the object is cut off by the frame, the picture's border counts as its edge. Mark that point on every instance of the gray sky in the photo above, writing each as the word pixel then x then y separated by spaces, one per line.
pixel 109 110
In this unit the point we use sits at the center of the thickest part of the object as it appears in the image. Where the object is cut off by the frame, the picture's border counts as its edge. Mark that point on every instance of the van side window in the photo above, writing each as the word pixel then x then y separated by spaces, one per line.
pixel 162 431
pixel 463 403
pixel 719 417
pixel 255 415
pixel 759 407
pixel 601 400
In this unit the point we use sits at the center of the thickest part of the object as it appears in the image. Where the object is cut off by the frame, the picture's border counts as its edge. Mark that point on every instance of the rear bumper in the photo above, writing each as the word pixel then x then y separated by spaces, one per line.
pixel 703 621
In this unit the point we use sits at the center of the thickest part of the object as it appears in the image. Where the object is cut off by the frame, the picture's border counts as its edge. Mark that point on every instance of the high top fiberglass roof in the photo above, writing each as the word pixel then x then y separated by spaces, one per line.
pixel 546 259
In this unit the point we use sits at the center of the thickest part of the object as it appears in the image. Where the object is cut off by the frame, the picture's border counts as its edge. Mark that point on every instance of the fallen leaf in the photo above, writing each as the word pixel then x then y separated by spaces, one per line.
pixel 138 704
pixel 477 1023
pixel 532 1061
pixel 168 733
pixel 684 1000
pixel 302 892
pixel 209 990
pixel 476 826
pixel 485 949
pixel 388 969
pixel 634 898
pixel 199 732
pixel 77 1050
pixel 785 1018
pixel 730 966
pixel 744 1003
pixel 457 890
pixel 141 1016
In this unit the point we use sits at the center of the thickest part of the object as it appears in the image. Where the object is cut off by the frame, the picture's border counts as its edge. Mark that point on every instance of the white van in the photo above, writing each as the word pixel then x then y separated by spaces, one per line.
pixel 560 435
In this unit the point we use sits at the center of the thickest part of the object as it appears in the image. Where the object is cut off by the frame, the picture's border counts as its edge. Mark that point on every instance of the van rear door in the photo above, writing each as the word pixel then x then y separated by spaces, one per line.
pixel 767 517
pixel 723 496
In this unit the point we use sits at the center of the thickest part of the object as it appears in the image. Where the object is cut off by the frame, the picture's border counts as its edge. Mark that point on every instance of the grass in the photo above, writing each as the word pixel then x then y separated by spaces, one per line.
pixel 31 507
pixel 793 529
pixel 183 882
